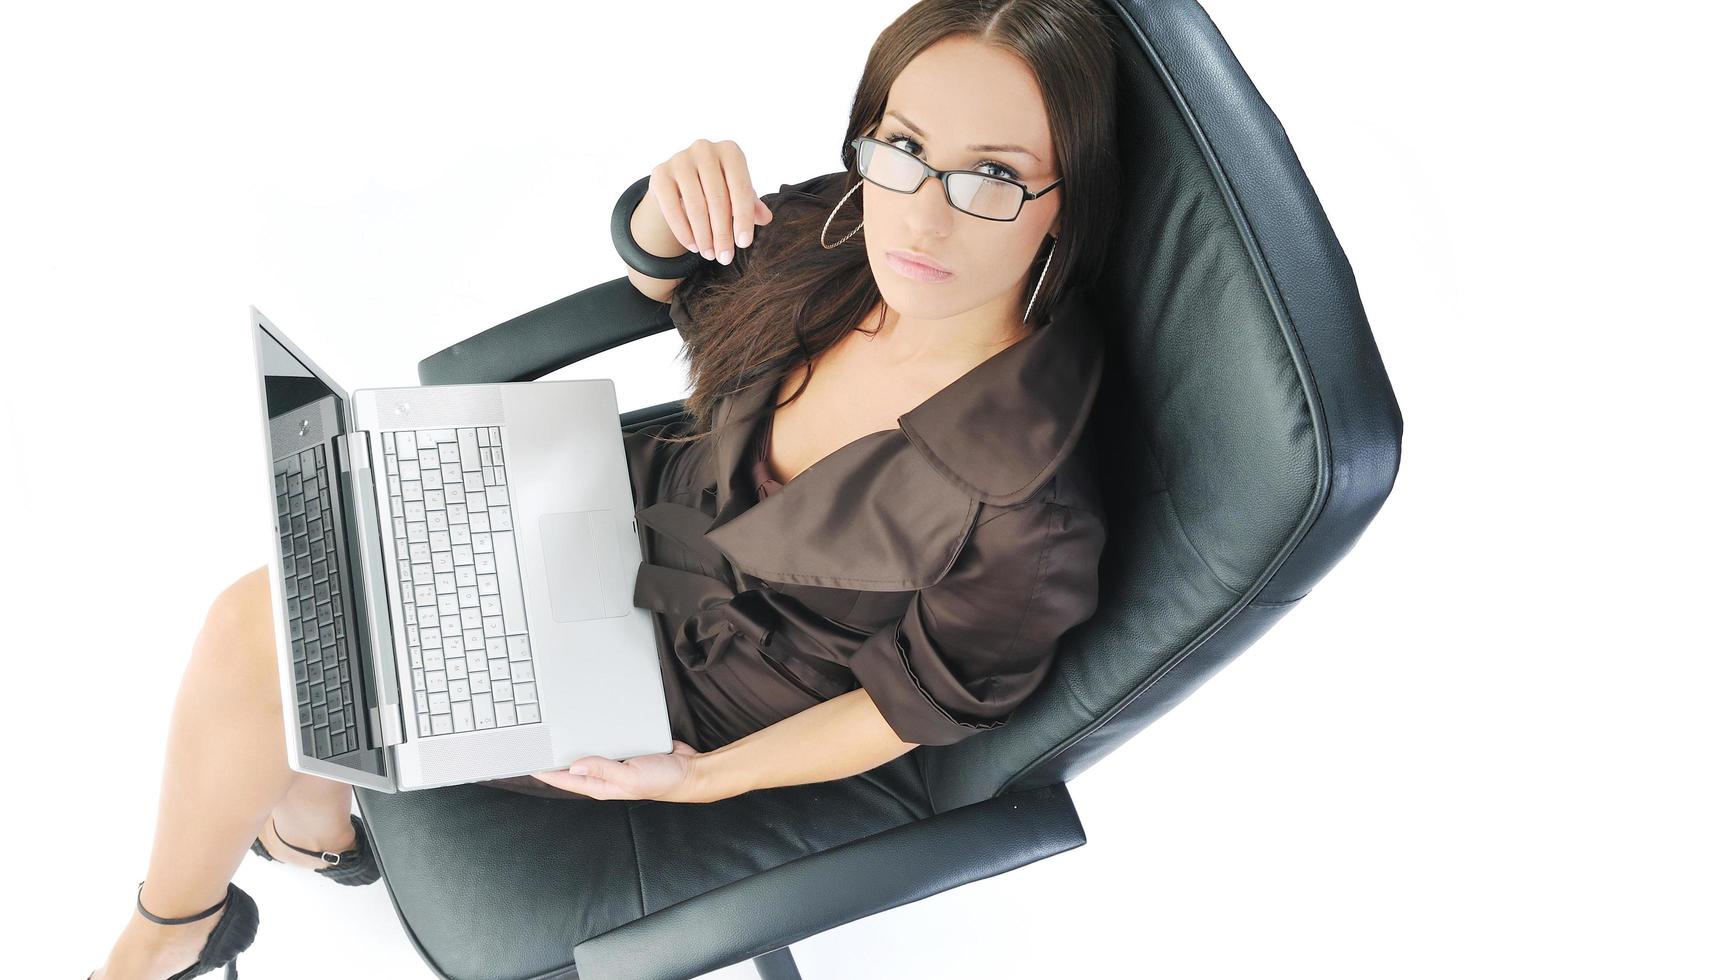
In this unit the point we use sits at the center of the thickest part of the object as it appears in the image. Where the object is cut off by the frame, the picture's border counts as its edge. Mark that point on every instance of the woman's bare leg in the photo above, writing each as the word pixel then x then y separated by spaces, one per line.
pixel 225 775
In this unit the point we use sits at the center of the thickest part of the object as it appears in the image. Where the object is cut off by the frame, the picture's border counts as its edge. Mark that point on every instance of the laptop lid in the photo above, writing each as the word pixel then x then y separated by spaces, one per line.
pixel 327 684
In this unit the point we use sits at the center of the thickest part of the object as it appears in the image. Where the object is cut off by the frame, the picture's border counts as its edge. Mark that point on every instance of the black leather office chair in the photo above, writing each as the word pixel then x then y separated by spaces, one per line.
pixel 1246 406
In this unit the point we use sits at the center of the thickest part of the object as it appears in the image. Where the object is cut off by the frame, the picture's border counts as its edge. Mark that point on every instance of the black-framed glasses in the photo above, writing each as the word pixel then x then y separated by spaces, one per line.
pixel 971 191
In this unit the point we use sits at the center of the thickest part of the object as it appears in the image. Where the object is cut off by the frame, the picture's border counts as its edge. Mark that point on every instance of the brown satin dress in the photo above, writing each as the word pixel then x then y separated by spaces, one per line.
pixel 936 564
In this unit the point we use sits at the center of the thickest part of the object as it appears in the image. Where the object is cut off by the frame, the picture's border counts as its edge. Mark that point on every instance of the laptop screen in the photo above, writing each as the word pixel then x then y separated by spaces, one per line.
pixel 305 411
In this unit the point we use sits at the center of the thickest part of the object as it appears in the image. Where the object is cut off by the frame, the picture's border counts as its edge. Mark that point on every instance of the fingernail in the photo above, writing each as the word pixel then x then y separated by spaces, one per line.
pixel 743 239
pixel 708 253
pixel 726 257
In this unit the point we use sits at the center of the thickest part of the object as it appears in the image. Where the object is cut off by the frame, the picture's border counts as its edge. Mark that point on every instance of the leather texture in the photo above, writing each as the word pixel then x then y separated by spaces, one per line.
pixel 1249 438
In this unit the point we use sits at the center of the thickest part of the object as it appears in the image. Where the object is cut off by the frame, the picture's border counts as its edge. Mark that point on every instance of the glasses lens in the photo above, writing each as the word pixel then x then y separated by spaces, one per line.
pixel 889 166
pixel 985 197
pixel 898 169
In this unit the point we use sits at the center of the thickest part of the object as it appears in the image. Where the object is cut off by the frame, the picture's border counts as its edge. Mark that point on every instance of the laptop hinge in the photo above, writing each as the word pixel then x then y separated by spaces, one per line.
pixel 386 718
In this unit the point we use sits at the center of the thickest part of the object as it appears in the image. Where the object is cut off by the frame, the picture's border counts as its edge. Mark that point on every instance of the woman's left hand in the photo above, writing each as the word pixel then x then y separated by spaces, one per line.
pixel 665 776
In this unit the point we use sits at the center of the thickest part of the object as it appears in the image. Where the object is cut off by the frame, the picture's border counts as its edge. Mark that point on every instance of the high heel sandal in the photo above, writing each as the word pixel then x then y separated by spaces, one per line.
pixel 232 935
pixel 354 867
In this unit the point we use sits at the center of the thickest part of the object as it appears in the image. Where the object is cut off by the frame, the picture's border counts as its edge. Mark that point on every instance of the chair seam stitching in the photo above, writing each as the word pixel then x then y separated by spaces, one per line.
pixel 637 858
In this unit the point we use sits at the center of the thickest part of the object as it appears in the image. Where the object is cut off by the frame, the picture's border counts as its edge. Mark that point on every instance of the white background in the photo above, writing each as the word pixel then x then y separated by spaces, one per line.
pixel 1480 748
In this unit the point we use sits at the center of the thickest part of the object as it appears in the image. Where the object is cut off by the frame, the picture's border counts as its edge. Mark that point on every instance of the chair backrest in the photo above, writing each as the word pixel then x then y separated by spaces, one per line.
pixel 1246 432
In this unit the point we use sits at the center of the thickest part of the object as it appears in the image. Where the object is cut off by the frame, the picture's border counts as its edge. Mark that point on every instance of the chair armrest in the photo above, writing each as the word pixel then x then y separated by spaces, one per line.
pixel 546 339
pixel 822 891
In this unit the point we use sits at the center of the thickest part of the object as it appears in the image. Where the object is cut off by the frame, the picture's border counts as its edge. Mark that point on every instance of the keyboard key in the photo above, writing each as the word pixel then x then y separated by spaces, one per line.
pixel 529 713
pixel 511 582
pixel 505 714
pixel 462 719
pixel 483 707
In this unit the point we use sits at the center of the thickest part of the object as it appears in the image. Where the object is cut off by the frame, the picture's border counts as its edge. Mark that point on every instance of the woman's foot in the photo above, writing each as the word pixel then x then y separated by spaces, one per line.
pixel 150 951
pixel 337 840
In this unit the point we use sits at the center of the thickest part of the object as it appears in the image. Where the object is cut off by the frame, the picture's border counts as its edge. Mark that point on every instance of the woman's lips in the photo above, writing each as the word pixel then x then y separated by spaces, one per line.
pixel 904 265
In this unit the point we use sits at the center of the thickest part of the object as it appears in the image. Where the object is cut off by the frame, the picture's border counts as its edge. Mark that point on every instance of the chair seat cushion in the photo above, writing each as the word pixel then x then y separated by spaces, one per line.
pixel 490 883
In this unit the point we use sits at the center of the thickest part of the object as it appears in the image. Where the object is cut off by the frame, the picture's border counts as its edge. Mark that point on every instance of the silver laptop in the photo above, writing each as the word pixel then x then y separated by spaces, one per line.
pixel 453 577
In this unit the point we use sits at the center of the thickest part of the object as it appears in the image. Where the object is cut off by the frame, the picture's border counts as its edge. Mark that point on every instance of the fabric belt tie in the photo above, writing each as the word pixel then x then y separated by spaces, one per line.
pixel 713 614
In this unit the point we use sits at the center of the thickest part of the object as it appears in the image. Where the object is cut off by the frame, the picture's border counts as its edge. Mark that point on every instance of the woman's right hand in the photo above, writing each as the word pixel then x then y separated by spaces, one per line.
pixel 705 195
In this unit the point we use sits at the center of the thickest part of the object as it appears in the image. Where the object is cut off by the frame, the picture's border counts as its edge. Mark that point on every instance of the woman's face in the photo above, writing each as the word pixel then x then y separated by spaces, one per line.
pixel 957 94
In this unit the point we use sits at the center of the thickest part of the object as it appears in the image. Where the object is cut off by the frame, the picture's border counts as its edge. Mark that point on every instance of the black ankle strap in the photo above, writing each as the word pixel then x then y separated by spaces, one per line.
pixel 205 913
pixel 331 858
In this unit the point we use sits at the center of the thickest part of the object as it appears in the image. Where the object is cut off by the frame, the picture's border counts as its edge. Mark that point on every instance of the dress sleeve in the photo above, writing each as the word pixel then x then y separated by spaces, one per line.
pixel 805 193
pixel 973 646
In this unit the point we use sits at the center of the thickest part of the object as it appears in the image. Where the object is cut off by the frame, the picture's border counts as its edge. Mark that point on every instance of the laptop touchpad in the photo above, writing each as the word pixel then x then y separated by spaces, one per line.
pixel 581 551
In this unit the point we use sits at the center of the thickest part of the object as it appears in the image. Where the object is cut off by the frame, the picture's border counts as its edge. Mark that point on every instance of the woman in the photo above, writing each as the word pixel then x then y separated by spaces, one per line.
pixel 878 518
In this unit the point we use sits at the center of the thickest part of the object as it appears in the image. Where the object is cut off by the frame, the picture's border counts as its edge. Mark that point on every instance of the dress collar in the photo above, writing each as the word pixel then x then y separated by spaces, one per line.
pixel 891 509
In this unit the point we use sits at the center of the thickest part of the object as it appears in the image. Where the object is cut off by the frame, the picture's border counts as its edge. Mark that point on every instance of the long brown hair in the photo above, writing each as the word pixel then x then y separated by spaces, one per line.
pixel 785 298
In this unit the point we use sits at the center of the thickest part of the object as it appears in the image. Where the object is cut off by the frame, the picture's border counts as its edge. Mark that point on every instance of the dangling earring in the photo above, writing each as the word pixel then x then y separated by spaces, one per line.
pixel 1039 279
pixel 835 211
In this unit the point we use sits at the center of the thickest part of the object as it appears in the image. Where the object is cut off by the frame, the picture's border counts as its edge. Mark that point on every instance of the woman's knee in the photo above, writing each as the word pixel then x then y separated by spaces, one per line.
pixel 240 621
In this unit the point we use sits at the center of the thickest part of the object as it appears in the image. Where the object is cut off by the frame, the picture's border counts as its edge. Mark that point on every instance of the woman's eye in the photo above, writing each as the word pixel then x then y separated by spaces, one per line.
pixel 1004 171
pixel 900 137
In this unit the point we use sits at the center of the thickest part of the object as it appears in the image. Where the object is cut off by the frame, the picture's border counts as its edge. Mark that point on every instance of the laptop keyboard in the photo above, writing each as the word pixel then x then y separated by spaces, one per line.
pixel 315 615
pixel 471 664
